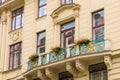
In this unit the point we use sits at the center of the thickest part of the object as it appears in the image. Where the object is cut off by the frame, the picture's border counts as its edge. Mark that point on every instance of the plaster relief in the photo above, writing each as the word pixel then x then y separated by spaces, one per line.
pixel 15 36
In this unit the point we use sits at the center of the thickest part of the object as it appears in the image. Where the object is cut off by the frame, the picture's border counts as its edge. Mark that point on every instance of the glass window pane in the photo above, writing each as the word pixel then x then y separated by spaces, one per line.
pixel 42 11
pixel 41 38
pixel 98 33
pixel 68 25
pixel 63 1
pixel 98 18
pixel 16 59
pixel 42 2
pixel 68 40
pixel 18 21
pixel 68 1
pixel 41 49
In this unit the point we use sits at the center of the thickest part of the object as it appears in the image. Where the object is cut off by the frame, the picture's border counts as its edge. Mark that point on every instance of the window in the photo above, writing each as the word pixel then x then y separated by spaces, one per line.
pixel 98 25
pixel 98 72
pixel 15 56
pixel 17 18
pixel 41 42
pixel 65 76
pixel 37 79
pixel 1 1
pixel 66 2
pixel 67 34
pixel 42 7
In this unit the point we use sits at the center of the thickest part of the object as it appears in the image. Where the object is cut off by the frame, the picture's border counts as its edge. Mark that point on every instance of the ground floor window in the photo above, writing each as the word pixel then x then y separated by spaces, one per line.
pixel 98 72
pixel 65 76
pixel 37 79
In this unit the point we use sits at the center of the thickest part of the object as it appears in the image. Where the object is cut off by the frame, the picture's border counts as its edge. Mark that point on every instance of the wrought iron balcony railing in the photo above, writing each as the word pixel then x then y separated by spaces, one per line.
pixel 70 51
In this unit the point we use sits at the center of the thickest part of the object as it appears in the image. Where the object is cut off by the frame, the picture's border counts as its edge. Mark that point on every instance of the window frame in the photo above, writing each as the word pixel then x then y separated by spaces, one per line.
pixel 13 55
pixel 103 68
pixel 14 15
pixel 65 77
pixel 72 1
pixel 40 6
pixel 66 36
pixel 96 27
pixel 38 46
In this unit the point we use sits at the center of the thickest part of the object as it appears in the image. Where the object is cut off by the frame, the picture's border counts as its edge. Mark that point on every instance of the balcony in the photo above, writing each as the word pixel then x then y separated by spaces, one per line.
pixel 95 46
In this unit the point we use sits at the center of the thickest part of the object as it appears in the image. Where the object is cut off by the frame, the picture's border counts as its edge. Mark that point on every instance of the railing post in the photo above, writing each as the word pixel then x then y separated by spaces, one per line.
pixel 47 61
pixel 77 50
pixel 68 52
pixel 107 44
pixel 39 60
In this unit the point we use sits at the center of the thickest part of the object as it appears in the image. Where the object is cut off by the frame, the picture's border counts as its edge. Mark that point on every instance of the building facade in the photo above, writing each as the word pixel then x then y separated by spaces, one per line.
pixel 59 40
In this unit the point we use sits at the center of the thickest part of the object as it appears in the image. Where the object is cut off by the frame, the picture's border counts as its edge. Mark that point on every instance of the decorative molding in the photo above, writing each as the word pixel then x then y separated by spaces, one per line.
pixel 41 75
pixel 108 62
pixel 81 66
pixel 70 68
pixel 15 36
pixel 74 7
pixel 51 73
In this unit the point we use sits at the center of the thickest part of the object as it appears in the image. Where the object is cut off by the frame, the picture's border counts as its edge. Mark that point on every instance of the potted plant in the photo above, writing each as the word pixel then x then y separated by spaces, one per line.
pixel 82 42
pixel 57 51
pixel 33 59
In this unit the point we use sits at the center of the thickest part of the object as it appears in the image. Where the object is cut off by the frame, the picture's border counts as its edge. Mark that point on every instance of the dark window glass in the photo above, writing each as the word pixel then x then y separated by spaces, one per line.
pixel 98 25
pixel 66 1
pixel 41 42
pixel 42 7
pixel 17 18
pixel 98 72
pixel 67 34
pixel 15 56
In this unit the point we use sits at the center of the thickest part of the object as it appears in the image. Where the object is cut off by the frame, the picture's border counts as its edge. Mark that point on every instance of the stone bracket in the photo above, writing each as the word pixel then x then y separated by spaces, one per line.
pixel 81 66
pixel 51 73
pixel 70 68
pixel 108 62
pixel 41 75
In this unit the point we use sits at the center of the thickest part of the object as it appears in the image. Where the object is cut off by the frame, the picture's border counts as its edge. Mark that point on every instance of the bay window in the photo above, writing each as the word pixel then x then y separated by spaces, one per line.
pixel 42 8
pixel 15 56
pixel 41 42
pixel 17 18
pixel 98 25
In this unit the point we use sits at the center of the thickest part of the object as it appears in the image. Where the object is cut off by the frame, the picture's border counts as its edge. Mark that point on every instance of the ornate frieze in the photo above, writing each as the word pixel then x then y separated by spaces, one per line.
pixel 15 36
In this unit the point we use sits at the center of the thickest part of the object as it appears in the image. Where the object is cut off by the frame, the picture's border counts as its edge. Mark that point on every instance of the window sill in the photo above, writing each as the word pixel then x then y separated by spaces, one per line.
pixel 15 29
pixel 40 17
pixel 14 69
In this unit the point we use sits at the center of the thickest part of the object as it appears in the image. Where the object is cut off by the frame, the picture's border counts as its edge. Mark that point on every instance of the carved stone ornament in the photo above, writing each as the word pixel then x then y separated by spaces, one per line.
pixel 15 36
pixel 74 7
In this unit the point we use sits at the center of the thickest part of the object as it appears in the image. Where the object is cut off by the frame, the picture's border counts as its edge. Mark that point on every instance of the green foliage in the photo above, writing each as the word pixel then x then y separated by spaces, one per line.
pixel 82 42
pixel 32 58
pixel 57 50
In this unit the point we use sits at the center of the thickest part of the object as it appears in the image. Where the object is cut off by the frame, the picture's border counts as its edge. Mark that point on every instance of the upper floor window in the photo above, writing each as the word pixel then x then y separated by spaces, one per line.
pixel 66 1
pixel 15 56
pixel 1 1
pixel 17 18
pixel 41 42
pixel 98 25
pixel 67 34
pixel 42 7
